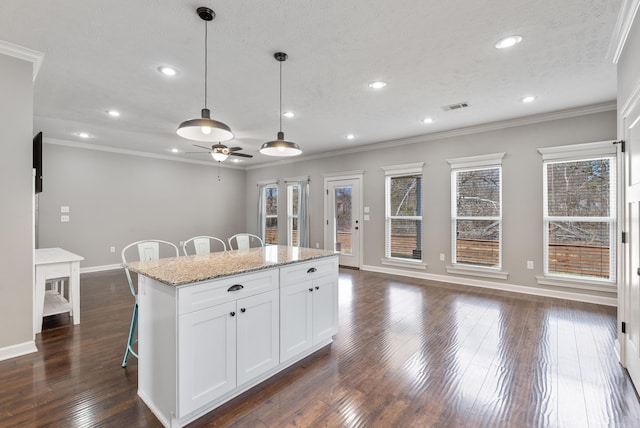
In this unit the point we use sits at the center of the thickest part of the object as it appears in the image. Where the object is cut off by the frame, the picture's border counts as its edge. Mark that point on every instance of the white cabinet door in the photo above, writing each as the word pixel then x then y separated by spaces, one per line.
pixel 206 356
pixel 296 334
pixel 325 308
pixel 257 335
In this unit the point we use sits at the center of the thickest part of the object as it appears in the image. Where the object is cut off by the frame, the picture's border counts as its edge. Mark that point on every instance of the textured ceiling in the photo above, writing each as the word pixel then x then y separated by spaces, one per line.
pixel 104 55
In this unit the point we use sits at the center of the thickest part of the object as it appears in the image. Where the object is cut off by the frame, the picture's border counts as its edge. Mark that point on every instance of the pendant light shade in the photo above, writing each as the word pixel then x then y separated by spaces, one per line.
pixel 204 128
pixel 279 146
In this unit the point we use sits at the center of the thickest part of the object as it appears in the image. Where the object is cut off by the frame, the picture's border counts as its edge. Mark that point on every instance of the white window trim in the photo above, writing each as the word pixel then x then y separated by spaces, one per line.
pixel 270 185
pixel 290 216
pixel 581 152
pixel 392 172
pixel 472 163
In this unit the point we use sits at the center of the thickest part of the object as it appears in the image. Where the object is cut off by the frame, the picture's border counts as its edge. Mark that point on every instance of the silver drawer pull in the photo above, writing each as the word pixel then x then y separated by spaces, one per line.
pixel 235 287
pixel 311 270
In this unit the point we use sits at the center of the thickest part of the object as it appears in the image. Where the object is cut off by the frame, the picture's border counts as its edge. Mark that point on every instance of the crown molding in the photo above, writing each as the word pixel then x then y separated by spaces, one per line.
pixel 476 129
pixel 23 53
pixel 626 16
pixel 97 147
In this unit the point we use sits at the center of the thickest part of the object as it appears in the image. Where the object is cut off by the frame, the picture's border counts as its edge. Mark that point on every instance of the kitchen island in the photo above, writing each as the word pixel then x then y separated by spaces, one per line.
pixel 213 326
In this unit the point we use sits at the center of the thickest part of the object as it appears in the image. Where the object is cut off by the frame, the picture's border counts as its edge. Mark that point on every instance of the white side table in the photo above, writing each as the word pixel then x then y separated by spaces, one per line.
pixel 53 263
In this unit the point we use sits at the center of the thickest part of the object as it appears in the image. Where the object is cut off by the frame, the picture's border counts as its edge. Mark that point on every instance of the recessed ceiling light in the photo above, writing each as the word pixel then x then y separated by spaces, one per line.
pixel 350 137
pixel 377 84
pixel 288 114
pixel 113 113
pixel 236 160
pixel 174 150
pixel 167 71
pixel 82 134
pixel 528 99
pixel 427 120
pixel 507 42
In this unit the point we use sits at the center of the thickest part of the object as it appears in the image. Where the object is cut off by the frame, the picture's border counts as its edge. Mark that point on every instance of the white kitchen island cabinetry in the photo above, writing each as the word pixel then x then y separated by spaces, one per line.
pixel 309 305
pixel 214 332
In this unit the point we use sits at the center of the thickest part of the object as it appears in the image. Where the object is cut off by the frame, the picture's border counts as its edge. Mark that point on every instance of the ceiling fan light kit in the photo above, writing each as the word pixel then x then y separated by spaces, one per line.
pixel 204 128
pixel 280 147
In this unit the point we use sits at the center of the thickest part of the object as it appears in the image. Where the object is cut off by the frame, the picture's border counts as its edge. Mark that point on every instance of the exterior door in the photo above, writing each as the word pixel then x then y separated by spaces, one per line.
pixel 631 285
pixel 343 220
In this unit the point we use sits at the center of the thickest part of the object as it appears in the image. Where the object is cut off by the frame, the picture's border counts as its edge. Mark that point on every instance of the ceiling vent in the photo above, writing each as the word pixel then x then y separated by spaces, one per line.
pixel 456 106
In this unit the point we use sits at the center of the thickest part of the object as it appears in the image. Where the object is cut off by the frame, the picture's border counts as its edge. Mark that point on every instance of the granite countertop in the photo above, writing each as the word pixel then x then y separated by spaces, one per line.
pixel 189 269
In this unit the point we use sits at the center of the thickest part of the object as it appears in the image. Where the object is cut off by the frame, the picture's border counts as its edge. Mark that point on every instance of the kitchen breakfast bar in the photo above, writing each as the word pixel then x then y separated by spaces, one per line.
pixel 213 326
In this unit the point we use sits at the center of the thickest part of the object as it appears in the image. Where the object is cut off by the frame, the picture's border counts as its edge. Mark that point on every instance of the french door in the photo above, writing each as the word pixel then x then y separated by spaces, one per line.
pixel 343 223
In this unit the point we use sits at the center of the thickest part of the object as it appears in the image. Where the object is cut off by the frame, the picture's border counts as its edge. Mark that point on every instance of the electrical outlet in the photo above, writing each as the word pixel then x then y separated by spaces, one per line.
pixel 64 219
pixel 441 257
pixel 529 264
pixel 112 249
pixel 181 244
pixel 317 245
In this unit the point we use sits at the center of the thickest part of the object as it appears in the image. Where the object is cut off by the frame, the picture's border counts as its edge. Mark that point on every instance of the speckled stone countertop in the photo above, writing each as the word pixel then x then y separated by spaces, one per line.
pixel 189 269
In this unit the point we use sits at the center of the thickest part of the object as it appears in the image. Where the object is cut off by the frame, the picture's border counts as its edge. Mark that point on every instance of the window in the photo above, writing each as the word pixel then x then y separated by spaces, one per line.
pixel 271 214
pixel 403 206
pixel 476 212
pixel 580 211
pixel 293 199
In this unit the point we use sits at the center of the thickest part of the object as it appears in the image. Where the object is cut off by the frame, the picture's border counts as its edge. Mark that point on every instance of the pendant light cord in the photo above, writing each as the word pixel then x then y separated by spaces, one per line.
pixel 280 96
pixel 205 62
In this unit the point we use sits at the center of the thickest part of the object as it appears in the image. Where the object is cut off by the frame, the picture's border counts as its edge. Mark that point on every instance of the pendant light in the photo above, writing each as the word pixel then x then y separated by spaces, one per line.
pixel 205 128
pixel 280 147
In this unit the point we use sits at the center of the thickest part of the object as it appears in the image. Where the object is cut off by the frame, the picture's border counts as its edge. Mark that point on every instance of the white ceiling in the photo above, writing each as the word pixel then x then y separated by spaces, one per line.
pixel 104 55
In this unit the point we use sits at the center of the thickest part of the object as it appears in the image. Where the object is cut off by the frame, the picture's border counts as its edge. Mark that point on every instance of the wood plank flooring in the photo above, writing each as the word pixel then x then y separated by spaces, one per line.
pixel 409 353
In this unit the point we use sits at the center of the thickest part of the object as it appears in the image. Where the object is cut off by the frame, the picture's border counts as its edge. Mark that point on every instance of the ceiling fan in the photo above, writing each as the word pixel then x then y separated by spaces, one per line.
pixel 220 152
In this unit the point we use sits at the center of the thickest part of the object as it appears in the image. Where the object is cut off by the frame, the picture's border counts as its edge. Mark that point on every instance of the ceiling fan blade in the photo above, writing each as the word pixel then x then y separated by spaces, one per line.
pixel 187 153
pixel 242 155
pixel 202 147
pixel 235 149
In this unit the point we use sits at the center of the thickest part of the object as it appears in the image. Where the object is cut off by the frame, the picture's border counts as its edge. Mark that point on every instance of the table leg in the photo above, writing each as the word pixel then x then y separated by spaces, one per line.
pixel 38 308
pixel 74 291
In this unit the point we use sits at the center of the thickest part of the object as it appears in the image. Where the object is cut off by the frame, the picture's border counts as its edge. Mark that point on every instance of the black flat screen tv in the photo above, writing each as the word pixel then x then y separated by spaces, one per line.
pixel 37 161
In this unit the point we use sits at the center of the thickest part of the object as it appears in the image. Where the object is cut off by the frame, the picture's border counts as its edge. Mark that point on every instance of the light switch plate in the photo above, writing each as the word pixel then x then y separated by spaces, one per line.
pixel 64 209
pixel 366 209
pixel 366 217
pixel 64 219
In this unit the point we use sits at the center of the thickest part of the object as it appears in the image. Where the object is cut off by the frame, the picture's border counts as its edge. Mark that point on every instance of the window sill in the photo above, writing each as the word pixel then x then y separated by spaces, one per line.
pixel 417 264
pixel 476 271
pixel 584 284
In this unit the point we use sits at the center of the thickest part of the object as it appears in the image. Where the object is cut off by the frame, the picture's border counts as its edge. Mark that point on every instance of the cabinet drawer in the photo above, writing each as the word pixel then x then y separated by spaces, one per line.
pixel 298 272
pixel 211 293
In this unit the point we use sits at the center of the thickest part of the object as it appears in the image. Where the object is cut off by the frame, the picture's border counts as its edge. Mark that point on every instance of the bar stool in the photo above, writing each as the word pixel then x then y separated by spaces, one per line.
pixel 203 244
pixel 244 241
pixel 147 250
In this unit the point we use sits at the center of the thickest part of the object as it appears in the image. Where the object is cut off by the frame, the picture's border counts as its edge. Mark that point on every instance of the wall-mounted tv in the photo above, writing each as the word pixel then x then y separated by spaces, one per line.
pixel 37 161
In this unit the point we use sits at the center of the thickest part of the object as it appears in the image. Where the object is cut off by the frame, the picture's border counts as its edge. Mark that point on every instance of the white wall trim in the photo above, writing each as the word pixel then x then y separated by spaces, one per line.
pixel 476 129
pixel 97 147
pixel 573 283
pixel 626 15
pixel 584 150
pixel 459 269
pixel 410 264
pixel 101 268
pixel 485 161
pixel 522 289
pixel 23 53
pixel 297 179
pixel 404 169
pixel 18 350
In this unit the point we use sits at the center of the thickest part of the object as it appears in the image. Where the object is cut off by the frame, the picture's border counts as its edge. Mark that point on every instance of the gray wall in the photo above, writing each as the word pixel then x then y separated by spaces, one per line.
pixel 522 188
pixel 16 218
pixel 115 199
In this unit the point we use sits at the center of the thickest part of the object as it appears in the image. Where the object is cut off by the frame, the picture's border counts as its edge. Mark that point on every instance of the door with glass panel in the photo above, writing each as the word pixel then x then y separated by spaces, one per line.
pixel 630 312
pixel 343 220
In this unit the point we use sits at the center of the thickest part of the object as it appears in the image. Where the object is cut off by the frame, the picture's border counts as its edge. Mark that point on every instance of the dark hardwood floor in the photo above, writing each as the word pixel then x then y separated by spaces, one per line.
pixel 409 353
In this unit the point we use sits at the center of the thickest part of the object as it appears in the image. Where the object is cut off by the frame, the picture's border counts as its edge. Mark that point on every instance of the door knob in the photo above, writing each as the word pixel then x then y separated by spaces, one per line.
pixel 233 314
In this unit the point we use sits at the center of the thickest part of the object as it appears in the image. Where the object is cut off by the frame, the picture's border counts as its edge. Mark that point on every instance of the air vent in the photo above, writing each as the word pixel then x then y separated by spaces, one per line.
pixel 456 106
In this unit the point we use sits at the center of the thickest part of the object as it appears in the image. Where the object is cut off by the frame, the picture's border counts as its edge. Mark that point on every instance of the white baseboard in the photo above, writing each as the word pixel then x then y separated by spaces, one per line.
pixel 102 268
pixel 523 289
pixel 17 350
